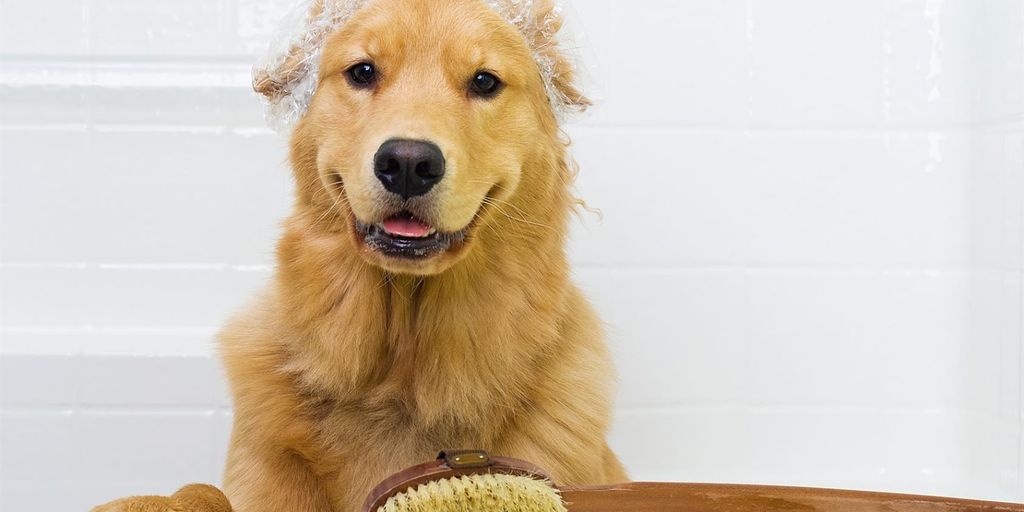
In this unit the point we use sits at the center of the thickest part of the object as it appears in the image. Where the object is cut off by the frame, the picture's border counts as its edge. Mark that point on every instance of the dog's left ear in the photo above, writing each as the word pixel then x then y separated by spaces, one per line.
pixel 547 23
pixel 275 82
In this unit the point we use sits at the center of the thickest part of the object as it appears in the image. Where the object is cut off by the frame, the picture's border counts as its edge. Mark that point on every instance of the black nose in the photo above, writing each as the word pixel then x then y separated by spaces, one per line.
pixel 409 168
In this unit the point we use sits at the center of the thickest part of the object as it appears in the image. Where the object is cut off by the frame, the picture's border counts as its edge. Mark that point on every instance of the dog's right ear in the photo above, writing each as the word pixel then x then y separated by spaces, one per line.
pixel 276 79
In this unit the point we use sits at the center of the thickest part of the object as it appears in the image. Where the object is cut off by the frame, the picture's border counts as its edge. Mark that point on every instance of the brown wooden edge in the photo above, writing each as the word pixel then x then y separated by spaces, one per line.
pixel 678 497
pixel 441 469
pixel 672 497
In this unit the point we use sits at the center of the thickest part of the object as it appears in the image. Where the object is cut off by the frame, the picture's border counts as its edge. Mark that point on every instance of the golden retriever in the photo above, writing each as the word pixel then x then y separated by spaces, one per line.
pixel 422 298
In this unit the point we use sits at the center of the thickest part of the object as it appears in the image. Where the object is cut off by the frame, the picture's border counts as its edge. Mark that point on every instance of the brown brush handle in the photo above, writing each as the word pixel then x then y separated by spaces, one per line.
pixel 663 497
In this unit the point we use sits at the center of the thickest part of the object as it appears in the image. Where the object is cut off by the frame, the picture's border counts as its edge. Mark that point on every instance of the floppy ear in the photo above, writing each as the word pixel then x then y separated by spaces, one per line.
pixel 273 82
pixel 547 23
pixel 274 79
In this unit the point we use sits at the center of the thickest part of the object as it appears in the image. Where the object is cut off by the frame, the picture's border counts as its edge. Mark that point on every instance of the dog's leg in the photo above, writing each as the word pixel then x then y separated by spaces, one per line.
pixel 272 482
pixel 572 452
pixel 191 498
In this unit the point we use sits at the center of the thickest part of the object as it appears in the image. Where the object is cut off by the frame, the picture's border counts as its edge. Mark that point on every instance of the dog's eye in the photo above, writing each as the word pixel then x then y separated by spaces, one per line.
pixel 362 74
pixel 484 84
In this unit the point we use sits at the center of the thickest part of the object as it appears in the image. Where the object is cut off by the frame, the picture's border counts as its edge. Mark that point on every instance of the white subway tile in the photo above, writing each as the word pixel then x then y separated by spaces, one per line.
pixel 679 63
pixel 222 423
pixel 123 381
pixel 677 338
pixel 997 184
pixel 37 380
pixel 37 461
pixel 255 24
pixel 703 444
pixel 191 197
pixel 107 341
pixel 139 381
pixel 997 54
pixel 864 339
pixel 54 297
pixel 1011 349
pixel 666 196
pixel 119 454
pixel 164 106
pixel 907 451
pixel 928 64
pixel 802 338
pixel 45 176
pixel 186 298
pixel 859 199
pixel 127 196
pixel 782 198
pixel 990 307
pixel 817 63
pixel 188 28
pixel 181 98
pixel 144 297
pixel 29 29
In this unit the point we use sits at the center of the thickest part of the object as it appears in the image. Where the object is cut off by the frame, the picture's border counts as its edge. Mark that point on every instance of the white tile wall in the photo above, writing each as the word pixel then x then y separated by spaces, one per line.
pixel 810 257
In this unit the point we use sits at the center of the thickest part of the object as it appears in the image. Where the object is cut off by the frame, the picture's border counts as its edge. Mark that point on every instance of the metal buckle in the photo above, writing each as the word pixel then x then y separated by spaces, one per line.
pixel 458 459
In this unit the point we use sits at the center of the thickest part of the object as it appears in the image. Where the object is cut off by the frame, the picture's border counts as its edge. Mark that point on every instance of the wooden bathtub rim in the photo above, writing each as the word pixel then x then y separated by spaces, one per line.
pixel 676 497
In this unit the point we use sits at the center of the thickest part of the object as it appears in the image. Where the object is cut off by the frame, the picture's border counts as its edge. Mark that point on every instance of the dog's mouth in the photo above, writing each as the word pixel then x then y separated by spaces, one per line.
pixel 405 236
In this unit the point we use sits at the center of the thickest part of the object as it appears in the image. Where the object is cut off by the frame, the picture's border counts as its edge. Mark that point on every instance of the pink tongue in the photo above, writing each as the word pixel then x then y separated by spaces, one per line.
pixel 407 227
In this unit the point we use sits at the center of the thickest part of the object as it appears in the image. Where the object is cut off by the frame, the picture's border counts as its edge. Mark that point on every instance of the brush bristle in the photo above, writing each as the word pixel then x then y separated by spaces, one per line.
pixel 478 493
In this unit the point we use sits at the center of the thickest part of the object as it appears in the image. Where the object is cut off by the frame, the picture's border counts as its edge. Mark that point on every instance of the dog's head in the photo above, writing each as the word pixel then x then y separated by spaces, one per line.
pixel 425 115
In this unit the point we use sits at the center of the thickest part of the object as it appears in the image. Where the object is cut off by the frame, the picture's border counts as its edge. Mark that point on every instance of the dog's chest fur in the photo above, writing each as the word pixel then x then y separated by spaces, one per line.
pixel 437 387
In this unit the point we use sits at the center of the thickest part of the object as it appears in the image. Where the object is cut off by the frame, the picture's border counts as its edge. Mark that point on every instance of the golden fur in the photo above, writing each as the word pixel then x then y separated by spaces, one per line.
pixel 354 365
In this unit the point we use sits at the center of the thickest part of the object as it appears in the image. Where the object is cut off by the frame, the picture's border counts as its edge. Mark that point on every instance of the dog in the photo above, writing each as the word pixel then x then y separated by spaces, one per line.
pixel 422 297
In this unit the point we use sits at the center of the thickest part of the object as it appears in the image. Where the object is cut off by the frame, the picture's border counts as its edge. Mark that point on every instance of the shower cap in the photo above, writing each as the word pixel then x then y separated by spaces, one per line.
pixel 287 75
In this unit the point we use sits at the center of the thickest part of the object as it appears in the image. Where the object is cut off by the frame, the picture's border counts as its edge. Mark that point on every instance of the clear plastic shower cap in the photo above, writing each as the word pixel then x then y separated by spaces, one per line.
pixel 287 75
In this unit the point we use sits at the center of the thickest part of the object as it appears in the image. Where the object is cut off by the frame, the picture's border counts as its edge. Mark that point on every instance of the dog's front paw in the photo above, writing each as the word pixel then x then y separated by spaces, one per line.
pixel 191 498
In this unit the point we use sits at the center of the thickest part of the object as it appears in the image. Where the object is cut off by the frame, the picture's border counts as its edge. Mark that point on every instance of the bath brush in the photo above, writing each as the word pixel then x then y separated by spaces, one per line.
pixel 467 481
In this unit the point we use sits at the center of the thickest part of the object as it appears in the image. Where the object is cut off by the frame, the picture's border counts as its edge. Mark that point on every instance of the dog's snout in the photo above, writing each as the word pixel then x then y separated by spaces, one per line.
pixel 409 168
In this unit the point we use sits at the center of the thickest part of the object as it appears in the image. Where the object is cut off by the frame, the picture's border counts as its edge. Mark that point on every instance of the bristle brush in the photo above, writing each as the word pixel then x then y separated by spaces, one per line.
pixel 467 481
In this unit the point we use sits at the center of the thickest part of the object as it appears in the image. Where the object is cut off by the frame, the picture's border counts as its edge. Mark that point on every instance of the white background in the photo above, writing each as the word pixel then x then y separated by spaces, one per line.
pixel 810 257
